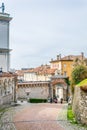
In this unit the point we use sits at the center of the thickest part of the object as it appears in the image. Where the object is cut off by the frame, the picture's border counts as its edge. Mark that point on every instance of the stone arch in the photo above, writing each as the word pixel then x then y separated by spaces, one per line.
pixel 59 81
pixel 59 88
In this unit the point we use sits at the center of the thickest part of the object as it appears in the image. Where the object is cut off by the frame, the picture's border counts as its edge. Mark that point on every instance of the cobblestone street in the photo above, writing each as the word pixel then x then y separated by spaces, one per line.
pixel 37 117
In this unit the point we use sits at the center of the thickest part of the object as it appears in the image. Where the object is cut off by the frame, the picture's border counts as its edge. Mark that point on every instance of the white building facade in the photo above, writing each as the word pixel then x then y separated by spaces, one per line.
pixel 4 42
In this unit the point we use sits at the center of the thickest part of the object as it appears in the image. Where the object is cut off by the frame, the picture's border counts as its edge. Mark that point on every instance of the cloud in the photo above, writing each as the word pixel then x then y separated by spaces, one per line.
pixel 41 29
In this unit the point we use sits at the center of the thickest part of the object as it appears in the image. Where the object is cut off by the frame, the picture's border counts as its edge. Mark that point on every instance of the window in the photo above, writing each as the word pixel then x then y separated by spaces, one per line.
pixel 65 73
pixel 64 65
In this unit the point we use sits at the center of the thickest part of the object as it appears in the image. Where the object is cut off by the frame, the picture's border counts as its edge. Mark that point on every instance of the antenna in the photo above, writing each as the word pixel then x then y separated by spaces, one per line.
pixel 2 7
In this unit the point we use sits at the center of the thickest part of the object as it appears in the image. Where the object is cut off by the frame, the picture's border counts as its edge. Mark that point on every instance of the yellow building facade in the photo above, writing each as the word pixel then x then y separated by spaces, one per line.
pixel 64 65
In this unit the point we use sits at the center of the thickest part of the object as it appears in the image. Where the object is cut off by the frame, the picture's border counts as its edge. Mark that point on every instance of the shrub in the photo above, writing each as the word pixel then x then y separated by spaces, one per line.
pixel 34 100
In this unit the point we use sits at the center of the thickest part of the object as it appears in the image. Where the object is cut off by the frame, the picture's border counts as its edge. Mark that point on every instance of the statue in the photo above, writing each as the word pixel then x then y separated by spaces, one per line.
pixel 2 7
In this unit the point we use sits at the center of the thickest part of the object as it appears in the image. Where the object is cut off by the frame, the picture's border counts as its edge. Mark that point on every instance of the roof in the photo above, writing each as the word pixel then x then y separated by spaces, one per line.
pixel 71 57
pixel 68 58
pixel 44 70
pixel 7 74
pixel 41 70
pixel 21 72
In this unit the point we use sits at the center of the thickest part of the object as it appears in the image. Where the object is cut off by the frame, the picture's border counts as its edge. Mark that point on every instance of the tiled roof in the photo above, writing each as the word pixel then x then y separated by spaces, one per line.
pixel 43 69
pixel 7 74
pixel 68 58
pixel 21 72
pixel 72 57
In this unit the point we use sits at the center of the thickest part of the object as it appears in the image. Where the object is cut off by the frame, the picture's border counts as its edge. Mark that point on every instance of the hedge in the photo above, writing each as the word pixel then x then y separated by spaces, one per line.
pixel 33 100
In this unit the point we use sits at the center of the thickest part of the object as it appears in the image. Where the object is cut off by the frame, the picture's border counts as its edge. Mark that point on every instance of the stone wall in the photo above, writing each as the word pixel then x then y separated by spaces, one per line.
pixel 7 99
pixel 7 88
pixel 80 105
pixel 41 92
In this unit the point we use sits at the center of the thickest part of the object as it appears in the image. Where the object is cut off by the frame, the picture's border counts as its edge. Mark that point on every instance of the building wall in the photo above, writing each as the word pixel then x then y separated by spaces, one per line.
pixel 7 85
pixel 63 67
pixel 30 77
pixel 4 34
pixel 66 68
pixel 45 77
pixel 4 42
pixel 4 62
pixel 35 77
pixel 33 91
pixel 54 65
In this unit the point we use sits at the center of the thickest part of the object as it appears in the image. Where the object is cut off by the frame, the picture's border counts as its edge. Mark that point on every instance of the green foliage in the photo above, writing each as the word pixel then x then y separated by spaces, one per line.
pixel 2 110
pixel 67 81
pixel 82 83
pixel 32 100
pixel 79 73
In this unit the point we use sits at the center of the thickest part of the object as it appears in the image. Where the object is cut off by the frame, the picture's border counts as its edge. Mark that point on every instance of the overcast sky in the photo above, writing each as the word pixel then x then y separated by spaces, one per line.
pixel 42 29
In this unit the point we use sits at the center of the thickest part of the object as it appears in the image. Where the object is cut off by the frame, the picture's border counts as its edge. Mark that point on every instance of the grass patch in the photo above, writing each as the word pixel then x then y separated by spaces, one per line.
pixel 70 115
pixel 2 111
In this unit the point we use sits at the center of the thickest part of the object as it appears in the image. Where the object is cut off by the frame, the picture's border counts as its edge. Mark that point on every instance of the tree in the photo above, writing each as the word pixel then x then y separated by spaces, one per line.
pixel 78 74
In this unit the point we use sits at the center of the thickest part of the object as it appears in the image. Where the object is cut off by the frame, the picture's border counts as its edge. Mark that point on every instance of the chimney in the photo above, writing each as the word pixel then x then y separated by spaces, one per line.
pixel 51 59
pixel 69 57
pixel 59 57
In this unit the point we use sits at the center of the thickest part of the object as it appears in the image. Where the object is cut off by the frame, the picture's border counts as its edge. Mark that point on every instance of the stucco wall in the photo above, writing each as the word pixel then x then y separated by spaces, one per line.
pixel 80 105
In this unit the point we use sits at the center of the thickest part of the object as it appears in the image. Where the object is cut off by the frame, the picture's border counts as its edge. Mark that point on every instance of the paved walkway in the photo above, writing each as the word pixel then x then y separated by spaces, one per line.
pixel 62 119
pixel 37 117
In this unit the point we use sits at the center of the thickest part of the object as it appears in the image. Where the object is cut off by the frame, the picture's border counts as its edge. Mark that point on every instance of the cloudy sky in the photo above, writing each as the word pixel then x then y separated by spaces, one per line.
pixel 42 29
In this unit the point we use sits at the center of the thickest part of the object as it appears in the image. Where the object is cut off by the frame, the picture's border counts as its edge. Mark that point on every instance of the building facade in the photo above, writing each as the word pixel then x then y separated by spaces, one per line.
pixel 38 90
pixel 64 65
pixel 41 73
pixel 4 41
pixel 56 87
pixel 41 83
pixel 8 82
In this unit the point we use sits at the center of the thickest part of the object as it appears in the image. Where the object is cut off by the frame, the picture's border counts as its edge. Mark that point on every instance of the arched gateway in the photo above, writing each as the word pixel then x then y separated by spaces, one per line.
pixel 59 87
